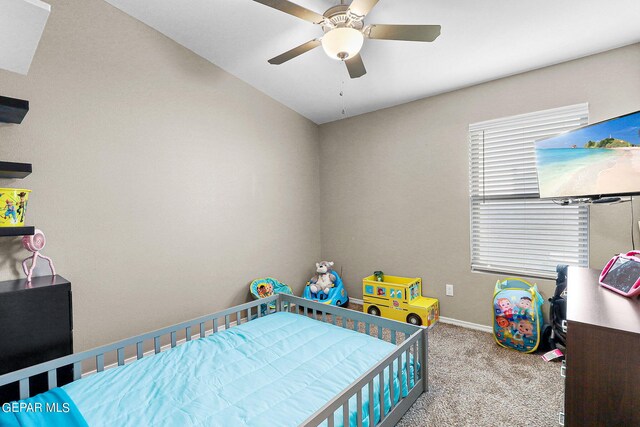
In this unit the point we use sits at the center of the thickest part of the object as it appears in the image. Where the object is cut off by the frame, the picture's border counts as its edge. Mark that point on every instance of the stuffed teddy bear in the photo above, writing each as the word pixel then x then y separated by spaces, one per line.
pixel 324 279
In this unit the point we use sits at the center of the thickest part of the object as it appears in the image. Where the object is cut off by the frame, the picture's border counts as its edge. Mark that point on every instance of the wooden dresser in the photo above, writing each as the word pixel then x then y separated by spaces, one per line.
pixel 35 326
pixel 603 354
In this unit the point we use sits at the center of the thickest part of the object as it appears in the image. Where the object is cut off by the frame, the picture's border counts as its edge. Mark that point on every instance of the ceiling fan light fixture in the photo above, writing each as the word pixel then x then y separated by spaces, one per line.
pixel 342 43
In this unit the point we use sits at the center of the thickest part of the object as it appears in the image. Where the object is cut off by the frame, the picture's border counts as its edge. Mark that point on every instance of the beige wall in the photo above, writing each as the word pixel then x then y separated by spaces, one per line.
pixel 164 184
pixel 395 181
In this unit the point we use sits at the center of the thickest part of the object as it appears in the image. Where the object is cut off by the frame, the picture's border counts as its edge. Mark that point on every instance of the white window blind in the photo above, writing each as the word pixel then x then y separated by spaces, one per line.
pixel 512 230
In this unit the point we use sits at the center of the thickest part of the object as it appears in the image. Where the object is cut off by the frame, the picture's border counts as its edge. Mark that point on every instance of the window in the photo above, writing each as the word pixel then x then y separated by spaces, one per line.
pixel 512 230
pixel 413 292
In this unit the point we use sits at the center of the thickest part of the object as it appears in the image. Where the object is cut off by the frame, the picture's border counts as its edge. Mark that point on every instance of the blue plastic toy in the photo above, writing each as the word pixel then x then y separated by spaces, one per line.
pixel 337 294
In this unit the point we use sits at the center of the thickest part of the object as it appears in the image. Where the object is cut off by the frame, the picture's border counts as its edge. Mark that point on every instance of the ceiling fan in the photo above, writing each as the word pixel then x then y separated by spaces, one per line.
pixel 345 31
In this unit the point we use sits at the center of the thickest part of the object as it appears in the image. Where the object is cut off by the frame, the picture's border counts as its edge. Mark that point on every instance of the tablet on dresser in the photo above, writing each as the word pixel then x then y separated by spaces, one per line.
pixel 622 274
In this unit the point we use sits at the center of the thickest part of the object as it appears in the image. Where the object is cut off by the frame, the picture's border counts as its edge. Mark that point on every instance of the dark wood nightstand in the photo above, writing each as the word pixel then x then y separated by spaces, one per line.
pixel 603 354
pixel 36 324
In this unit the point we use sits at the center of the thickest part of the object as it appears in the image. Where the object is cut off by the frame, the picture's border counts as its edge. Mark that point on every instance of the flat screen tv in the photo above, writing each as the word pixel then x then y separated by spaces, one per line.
pixel 597 160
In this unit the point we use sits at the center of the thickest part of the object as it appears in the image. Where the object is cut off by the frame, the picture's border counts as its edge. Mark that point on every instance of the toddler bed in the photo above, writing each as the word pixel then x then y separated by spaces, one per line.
pixel 297 366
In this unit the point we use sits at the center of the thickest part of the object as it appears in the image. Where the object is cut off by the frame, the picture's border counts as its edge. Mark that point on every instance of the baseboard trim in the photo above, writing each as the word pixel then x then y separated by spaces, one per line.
pixel 447 320
pixel 468 325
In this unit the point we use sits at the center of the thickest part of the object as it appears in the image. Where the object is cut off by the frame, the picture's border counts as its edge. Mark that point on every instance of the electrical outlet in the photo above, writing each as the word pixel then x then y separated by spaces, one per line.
pixel 449 290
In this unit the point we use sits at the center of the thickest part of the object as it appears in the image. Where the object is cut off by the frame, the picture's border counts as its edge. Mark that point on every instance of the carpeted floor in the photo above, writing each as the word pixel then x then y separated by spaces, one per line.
pixel 475 382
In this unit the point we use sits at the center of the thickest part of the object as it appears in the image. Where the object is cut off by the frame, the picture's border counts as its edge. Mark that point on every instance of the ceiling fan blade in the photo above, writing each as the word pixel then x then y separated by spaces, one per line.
pixel 355 66
pixel 293 9
pixel 415 33
pixel 296 51
pixel 362 7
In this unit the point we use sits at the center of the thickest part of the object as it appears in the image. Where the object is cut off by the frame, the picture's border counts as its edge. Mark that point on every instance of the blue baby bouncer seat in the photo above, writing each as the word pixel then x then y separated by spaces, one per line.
pixel 337 294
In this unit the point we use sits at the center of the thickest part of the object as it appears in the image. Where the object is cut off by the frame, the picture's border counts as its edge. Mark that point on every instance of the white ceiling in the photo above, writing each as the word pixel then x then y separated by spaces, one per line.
pixel 480 41
pixel 21 26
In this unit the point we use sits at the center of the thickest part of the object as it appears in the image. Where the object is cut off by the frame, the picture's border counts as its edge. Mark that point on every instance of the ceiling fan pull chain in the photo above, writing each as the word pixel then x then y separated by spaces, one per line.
pixel 342 96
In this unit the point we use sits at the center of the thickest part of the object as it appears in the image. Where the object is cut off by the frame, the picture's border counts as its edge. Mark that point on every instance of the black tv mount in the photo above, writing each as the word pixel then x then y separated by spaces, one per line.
pixel 596 200
pixel 605 200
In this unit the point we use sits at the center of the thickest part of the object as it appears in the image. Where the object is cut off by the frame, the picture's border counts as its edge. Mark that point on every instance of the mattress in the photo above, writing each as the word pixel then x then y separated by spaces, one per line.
pixel 276 370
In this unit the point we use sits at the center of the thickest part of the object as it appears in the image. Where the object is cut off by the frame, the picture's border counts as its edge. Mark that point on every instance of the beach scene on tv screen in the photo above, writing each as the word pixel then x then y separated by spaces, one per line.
pixel 594 160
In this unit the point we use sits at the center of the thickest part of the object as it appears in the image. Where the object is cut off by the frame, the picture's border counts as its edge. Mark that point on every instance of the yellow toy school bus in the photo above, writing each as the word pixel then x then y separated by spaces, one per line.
pixel 399 298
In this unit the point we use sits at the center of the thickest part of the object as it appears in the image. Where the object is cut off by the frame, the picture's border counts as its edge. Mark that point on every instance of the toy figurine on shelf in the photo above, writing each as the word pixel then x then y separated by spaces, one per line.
pixel 35 244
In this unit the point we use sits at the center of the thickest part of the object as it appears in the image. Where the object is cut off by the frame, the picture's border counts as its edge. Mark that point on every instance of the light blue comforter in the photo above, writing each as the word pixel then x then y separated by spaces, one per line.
pixel 273 371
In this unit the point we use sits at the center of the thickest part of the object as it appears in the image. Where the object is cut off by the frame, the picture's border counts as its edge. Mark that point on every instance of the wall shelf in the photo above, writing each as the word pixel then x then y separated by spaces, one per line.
pixel 15 170
pixel 13 110
pixel 17 231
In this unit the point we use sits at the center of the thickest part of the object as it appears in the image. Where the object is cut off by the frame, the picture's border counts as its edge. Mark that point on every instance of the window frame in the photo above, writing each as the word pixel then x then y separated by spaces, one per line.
pixel 514 127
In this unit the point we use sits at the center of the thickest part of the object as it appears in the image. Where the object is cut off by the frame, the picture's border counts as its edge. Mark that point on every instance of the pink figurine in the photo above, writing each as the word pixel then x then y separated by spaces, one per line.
pixel 35 244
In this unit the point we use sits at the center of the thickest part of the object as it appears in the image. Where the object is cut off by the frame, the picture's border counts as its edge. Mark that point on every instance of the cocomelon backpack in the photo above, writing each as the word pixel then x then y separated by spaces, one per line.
pixel 517 314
